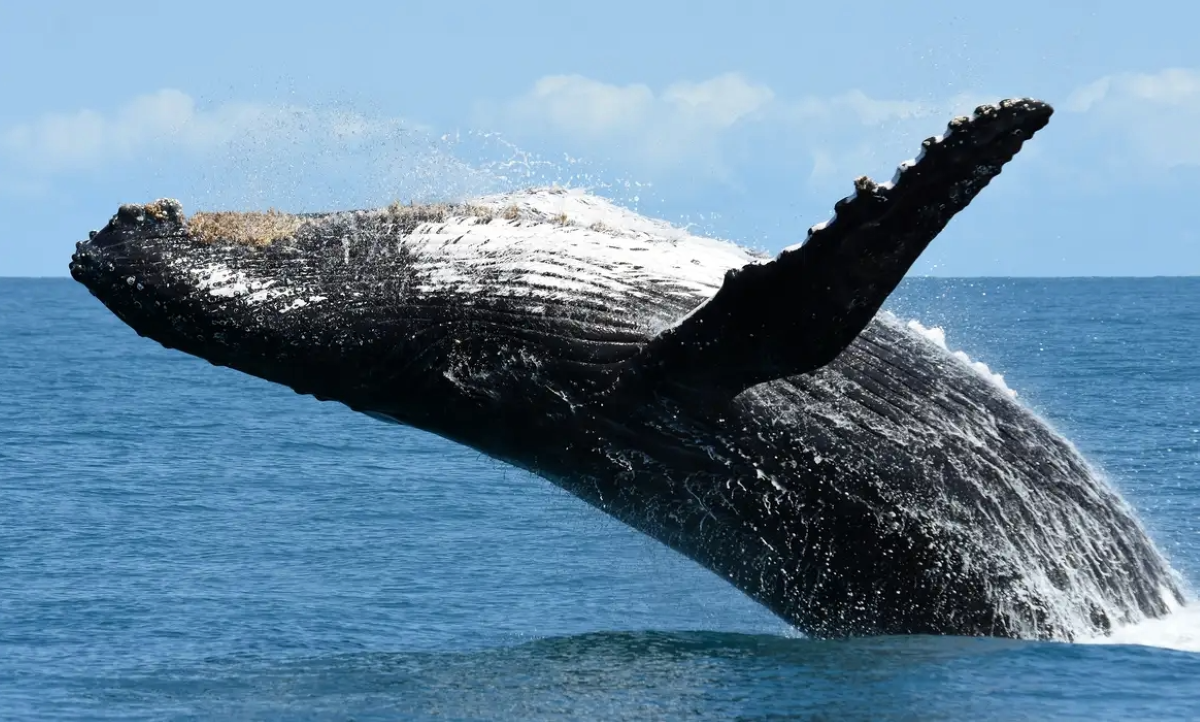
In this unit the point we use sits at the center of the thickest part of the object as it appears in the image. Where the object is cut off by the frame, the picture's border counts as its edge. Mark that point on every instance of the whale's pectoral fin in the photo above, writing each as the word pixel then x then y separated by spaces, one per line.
pixel 796 313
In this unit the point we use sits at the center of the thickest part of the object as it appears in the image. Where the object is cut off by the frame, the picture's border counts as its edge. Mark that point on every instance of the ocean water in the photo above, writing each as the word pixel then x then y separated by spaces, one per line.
pixel 182 542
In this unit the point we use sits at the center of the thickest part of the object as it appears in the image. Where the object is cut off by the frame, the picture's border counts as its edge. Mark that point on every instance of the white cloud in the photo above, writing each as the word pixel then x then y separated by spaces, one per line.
pixel 584 106
pixel 1146 120
pixel 587 107
pixel 1173 87
pixel 679 123
pixel 690 126
pixel 590 108
pixel 87 138
pixel 1136 122
pixel 698 130
pixel 170 120
pixel 855 106
pixel 239 153
pixel 718 102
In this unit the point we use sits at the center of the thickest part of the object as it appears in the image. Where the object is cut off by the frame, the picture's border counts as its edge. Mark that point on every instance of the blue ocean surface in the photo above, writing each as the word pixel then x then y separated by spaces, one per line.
pixel 183 542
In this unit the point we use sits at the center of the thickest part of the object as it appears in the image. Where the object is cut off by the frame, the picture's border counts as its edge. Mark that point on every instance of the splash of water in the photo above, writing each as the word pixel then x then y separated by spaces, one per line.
pixel 937 335
pixel 1179 630
pixel 305 159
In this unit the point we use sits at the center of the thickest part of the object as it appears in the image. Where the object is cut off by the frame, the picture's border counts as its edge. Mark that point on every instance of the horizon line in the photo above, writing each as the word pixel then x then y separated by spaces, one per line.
pixel 67 277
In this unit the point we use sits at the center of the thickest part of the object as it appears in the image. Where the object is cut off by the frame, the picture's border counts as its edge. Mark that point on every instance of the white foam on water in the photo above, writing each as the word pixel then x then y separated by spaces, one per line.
pixel 1179 630
pixel 937 335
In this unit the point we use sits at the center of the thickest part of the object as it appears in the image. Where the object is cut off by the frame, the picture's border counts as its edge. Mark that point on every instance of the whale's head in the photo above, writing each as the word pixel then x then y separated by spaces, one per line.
pixel 224 287
pixel 391 311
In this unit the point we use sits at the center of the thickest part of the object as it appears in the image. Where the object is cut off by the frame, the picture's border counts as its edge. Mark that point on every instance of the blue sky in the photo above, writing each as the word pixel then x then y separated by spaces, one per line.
pixel 747 120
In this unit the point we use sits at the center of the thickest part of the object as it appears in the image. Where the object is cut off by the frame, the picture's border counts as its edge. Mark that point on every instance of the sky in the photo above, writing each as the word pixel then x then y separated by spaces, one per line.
pixel 745 120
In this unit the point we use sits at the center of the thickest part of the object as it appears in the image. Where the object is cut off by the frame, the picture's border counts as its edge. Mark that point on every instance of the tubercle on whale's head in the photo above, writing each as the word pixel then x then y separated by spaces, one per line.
pixel 130 246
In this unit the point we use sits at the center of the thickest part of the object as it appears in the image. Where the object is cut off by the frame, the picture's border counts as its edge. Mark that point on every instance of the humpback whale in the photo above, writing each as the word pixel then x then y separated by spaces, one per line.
pixel 762 416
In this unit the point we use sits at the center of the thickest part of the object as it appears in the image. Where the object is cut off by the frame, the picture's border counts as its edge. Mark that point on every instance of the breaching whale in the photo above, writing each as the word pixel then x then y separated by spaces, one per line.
pixel 760 416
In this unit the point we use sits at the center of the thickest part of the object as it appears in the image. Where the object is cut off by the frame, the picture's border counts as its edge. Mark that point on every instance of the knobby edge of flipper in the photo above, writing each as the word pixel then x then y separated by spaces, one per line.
pixel 798 312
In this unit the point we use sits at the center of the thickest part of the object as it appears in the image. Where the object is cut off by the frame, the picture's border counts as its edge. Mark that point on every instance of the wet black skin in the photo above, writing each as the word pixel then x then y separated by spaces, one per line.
pixel 783 436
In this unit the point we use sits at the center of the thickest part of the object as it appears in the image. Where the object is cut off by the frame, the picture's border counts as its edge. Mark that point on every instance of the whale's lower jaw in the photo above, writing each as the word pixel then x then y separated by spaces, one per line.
pixel 756 416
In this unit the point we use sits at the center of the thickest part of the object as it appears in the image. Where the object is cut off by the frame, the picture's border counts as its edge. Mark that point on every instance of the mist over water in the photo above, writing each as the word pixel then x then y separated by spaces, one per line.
pixel 322 159
pixel 333 157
